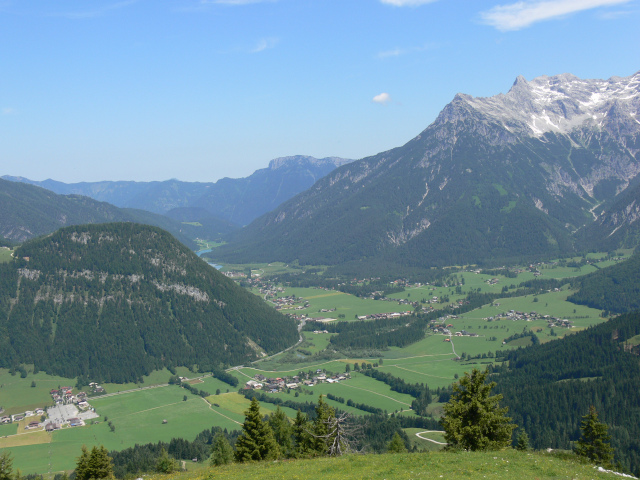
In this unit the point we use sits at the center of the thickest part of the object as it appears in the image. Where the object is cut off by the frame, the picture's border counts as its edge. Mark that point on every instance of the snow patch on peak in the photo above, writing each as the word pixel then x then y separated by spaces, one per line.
pixel 559 103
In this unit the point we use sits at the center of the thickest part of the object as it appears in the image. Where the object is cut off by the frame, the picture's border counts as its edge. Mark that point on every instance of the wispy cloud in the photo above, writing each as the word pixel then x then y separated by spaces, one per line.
pixel 265 44
pixel 407 3
pixel 8 111
pixel 382 99
pixel 97 12
pixel 396 52
pixel 522 14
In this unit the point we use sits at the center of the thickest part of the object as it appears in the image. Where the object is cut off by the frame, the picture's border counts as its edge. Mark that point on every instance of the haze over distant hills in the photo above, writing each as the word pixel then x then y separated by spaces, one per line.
pixel 507 177
pixel 234 200
pixel 28 211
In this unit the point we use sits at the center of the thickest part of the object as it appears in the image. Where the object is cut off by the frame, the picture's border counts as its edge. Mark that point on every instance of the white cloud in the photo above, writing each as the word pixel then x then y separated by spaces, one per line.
pixel 265 44
pixel 523 14
pixel 8 111
pixel 407 3
pixel 382 99
pixel 391 53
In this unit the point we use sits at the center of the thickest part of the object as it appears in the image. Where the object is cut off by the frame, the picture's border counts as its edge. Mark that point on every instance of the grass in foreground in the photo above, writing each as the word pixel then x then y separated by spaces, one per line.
pixel 468 465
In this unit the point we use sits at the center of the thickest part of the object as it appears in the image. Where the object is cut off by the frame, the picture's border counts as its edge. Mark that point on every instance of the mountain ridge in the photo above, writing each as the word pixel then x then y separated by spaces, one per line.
pixel 474 167
pixel 238 201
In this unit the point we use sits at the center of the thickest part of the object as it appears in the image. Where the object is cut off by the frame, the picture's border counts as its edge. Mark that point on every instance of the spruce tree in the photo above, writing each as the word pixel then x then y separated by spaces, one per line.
pixel 396 445
pixel 594 443
pixel 324 414
pixel 221 450
pixel 256 441
pixel 281 428
pixel 6 463
pixel 301 436
pixel 523 441
pixel 473 419
pixel 82 465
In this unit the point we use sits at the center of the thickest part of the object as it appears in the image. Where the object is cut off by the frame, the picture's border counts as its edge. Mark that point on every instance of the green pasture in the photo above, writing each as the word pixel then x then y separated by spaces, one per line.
pixel 138 418
pixel 5 254
pixel 17 394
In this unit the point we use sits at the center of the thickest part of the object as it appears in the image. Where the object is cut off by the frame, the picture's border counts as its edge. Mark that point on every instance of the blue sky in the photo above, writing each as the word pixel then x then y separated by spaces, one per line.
pixel 202 89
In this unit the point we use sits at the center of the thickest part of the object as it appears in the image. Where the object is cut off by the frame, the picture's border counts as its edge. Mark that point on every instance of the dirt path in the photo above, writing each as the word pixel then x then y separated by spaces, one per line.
pixel 419 435
pixel 221 414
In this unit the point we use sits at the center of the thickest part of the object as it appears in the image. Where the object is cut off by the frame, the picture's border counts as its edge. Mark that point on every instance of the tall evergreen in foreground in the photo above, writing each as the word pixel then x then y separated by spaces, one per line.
pixel 594 443
pixel 256 442
pixel 473 420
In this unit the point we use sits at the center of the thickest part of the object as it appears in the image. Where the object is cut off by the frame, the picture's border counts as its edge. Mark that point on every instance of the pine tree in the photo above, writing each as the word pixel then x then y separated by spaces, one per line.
pixel 301 436
pixel 100 465
pixel 256 441
pixel 594 443
pixel 6 463
pixel 165 463
pixel 396 445
pixel 523 441
pixel 281 428
pixel 82 465
pixel 324 413
pixel 221 450
pixel 472 418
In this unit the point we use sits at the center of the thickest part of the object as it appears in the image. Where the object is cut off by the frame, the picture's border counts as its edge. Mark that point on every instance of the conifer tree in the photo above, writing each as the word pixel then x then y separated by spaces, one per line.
pixel 281 428
pixel 473 419
pixel 396 445
pixel 594 443
pixel 6 463
pixel 165 463
pixel 523 441
pixel 256 441
pixel 321 427
pixel 221 450
pixel 82 465
pixel 301 436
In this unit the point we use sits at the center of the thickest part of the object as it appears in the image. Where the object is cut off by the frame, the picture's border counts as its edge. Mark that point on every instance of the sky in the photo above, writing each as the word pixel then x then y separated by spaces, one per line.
pixel 198 90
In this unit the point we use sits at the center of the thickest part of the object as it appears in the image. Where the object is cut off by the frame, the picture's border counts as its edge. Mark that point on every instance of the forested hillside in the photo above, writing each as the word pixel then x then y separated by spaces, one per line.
pixel 615 289
pixel 549 387
pixel 113 302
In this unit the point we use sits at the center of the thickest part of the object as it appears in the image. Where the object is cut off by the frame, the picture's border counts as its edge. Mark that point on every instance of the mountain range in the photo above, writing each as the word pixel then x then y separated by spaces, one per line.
pixel 513 176
pixel 227 202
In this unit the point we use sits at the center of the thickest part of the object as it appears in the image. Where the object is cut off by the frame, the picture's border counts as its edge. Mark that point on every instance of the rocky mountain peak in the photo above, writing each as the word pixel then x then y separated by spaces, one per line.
pixel 560 103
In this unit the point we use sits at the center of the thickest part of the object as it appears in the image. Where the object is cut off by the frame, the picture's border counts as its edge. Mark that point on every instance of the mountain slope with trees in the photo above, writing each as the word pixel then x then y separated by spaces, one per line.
pixel 114 302
pixel 550 387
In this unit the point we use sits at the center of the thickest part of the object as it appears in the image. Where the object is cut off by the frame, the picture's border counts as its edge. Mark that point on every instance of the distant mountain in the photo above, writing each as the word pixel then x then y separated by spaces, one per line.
pixel 506 177
pixel 114 302
pixel 236 201
pixel 28 211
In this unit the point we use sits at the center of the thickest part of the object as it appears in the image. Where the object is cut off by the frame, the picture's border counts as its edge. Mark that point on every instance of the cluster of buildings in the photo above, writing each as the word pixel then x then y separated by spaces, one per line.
pixel 529 316
pixel 378 316
pixel 276 385
pixel 65 396
pixel 21 416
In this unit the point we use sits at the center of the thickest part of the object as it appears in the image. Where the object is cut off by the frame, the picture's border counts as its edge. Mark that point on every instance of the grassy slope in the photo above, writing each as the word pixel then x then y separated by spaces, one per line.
pixel 467 466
